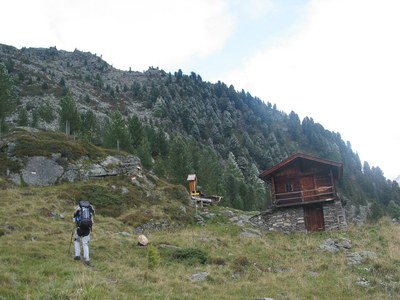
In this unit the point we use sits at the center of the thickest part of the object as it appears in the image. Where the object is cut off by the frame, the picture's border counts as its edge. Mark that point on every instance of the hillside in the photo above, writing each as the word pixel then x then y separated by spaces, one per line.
pixel 219 260
pixel 179 124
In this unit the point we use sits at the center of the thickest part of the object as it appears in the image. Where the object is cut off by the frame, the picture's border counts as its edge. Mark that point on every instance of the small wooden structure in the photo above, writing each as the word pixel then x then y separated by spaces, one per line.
pixel 309 183
pixel 192 179
pixel 197 196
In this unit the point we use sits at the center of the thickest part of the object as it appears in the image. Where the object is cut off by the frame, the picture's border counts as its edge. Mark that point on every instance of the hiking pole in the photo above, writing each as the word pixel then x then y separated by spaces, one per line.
pixel 70 243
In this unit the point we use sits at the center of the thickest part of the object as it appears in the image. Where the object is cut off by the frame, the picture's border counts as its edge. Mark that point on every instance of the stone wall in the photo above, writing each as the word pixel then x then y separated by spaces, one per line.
pixel 291 219
pixel 334 216
pixel 286 219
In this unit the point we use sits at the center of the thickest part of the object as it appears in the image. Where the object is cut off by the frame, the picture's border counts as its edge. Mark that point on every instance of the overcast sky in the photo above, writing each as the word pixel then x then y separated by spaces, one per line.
pixel 337 61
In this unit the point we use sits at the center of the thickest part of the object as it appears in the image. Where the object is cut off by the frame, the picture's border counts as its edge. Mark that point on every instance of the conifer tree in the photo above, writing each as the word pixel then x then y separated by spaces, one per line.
pixel 136 132
pixel 179 160
pixel 22 117
pixel 144 153
pixel 7 97
pixel 69 117
pixel 257 194
pixel 233 182
pixel 117 134
pixel 89 127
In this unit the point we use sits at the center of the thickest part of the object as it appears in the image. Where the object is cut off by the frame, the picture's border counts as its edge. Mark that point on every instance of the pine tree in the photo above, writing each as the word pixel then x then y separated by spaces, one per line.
pixel 89 127
pixel 179 160
pixel 70 121
pixel 7 96
pixel 22 117
pixel 144 153
pixel 117 134
pixel 257 194
pixel 136 132
pixel 234 183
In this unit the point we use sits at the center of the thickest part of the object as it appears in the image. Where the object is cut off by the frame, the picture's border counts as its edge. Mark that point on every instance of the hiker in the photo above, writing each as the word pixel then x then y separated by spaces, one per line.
pixel 83 218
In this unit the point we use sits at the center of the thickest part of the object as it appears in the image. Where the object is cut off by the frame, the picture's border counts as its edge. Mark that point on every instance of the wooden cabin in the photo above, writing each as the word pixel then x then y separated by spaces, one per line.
pixel 307 185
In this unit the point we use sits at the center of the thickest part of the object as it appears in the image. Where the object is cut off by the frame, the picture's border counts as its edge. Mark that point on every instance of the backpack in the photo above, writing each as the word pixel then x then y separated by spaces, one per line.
pixel 85 215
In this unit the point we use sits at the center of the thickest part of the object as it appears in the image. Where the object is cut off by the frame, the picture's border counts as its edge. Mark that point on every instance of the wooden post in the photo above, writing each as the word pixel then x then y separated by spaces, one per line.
pixel 67 127
pixel 273 190
pixel 332 183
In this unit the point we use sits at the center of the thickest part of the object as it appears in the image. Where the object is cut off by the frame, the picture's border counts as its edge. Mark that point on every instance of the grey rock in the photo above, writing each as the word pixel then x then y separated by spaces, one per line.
pixel 331 245
pixel 183 209
pixel 363 282
pixel 248 234
pixel 41 171
pixel 357 258
pixel 199 276
pixel 208 239
pixel 15 178
pixel 228 213
pixel 124 190
pixel 167 246
pixel 344 243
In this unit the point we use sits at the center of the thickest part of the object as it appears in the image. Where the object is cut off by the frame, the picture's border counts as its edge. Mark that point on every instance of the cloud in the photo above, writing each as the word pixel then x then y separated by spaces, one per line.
pixel 157 33
pixel 341 67
pixel 127 33
pixel 257 8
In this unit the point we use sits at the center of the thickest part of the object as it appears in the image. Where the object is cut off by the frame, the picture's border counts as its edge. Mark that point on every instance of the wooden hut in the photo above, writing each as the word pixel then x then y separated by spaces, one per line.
pixel 192 179
pixel 306 185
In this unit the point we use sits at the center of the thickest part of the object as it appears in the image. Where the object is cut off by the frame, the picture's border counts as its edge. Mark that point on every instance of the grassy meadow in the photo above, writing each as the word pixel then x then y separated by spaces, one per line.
pixel 36 262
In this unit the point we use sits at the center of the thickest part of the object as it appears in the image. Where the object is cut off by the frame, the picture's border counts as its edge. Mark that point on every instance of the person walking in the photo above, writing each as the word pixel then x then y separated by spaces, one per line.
pixel 83 218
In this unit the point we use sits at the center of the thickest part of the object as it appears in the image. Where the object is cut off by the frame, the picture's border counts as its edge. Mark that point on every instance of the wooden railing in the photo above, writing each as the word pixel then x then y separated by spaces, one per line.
pixel 320 194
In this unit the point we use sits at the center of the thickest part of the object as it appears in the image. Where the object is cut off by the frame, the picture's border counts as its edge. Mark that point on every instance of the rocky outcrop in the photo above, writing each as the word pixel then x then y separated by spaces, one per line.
pixel 44 171
pixel 331 245
pixel 357 214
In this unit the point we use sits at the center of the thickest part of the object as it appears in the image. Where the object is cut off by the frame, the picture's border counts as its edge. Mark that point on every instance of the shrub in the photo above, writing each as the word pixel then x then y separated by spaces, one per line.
pixel 190 255
pixel 153 257
pixel 375 213
pixel 240 263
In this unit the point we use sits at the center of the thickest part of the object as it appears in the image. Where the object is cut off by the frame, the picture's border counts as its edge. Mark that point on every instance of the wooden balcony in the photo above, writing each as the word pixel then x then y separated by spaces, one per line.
pixel 321 194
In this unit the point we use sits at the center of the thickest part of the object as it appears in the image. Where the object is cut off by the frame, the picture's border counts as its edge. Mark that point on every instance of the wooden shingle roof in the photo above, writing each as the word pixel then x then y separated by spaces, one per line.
pixel 336 167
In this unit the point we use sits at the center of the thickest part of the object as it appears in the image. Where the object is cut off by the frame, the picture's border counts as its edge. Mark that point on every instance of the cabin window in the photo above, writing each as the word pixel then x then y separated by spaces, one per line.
pixel 289 187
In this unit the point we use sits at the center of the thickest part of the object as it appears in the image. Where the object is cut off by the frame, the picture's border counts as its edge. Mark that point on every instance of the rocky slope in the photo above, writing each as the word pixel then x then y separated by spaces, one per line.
pixel 45 74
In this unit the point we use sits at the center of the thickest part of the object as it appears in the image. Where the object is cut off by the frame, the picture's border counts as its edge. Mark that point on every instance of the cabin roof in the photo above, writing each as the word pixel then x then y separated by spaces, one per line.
pixel 335 166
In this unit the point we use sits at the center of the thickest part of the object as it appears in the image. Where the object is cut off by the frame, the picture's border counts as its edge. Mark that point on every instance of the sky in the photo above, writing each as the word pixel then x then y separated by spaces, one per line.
pixel 336 61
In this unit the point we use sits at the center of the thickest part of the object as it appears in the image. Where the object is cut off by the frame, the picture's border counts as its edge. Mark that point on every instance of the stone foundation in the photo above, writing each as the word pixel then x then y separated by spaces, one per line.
pixel 291 219
pixel 334 216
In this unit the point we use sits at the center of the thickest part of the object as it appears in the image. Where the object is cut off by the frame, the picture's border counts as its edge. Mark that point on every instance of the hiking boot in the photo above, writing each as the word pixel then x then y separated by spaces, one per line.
pixel 77 258
pixel 87 263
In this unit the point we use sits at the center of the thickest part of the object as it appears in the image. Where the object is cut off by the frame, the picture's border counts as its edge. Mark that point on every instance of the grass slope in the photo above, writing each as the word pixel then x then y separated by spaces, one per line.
pixel 35 263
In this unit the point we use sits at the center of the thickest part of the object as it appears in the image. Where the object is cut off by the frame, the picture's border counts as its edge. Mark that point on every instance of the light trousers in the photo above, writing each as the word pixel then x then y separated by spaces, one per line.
pixel 85 245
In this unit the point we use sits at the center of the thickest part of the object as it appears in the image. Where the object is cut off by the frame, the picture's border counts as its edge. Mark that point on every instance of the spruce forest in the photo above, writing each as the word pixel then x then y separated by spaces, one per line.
pixel 178 124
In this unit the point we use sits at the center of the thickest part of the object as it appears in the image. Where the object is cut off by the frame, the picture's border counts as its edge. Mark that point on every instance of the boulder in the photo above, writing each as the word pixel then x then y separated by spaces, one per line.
pixel 41 171
pixel 142 240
